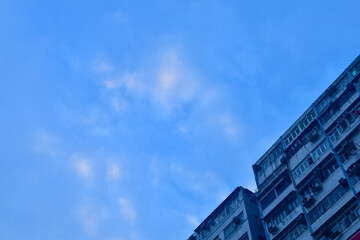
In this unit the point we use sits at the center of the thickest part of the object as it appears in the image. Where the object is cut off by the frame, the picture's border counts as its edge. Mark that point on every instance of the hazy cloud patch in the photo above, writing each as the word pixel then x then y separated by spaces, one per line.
pixel 193 220
pixel 82 166
pixel 113 171
pixel 167 82
pixel 127 209
pixel 101 65
pixel 46 143
pixel 91 217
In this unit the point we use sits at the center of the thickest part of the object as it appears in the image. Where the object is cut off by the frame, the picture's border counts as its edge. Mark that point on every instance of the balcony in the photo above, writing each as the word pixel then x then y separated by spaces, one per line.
pixel 312 166
pixel 357 187
pixel 286 221
pixel 327 187
pixel 341 110
pixel 277 200
pixel 346 133
pixel 332 210
pixel 351 230
pixel 278 171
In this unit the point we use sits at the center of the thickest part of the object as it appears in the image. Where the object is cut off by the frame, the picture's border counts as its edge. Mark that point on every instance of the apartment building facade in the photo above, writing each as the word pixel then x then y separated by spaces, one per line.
pixel 236 218
pixel 309 180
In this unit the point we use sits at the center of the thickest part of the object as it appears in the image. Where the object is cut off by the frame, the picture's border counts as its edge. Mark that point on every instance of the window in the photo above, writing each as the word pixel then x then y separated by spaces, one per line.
pixel 269 164
pixel 283 185
pixel 345 221
pixel 329 169
pixel 342 83
pixel 268 199
pixel 331 199
pixel 301 168
pixel 296 232
pixel 323 104
pixel 289 207
pixel 336 133
pixel 276 192
pixel 348 151
pixel 229 229
pixel 299 128
pixel 354 179
pixel 319 150
pixel 232 205
pixel 356 69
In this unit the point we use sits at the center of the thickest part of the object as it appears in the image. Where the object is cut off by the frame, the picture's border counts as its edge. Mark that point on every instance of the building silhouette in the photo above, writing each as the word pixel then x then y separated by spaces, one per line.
pixel 237 217
pixel 309 180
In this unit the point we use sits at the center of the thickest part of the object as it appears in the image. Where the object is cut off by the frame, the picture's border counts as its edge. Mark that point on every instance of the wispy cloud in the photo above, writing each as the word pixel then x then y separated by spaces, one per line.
pixel 229 125
pixel 82 166
pixel 91 217
pixel 127 209
pixel 95 119
pixel 168 84
pixel 119 104
pixel 46 143
pixel 101 65
pixel 193 220
pixel 113 171
pixel 205 184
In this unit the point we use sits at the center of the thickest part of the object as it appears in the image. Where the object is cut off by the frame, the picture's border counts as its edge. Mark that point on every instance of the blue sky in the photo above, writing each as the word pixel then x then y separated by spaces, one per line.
pixel 135 119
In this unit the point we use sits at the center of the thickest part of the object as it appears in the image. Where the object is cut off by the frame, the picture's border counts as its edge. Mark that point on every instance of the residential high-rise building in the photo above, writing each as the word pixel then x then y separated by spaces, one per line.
pixel 236 218
pixel 309 180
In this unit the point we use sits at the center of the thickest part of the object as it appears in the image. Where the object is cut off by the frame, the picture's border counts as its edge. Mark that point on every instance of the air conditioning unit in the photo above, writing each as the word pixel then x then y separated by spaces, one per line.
pixel 308 200
pixel 273 229
pixel 237 220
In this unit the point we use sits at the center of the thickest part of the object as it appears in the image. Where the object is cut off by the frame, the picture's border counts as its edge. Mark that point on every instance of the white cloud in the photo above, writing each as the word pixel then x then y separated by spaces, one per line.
pixel 91 217
pixel 175 83
pixel 118 16
pixel 119 104
pixel 168 84
pixel 96 120
pixel 193 220
pixel 46 143
pixel 101 65
pixel 82 166
pixel 229 126
pixel 88 219
pixel 113 171
pixel 127 209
